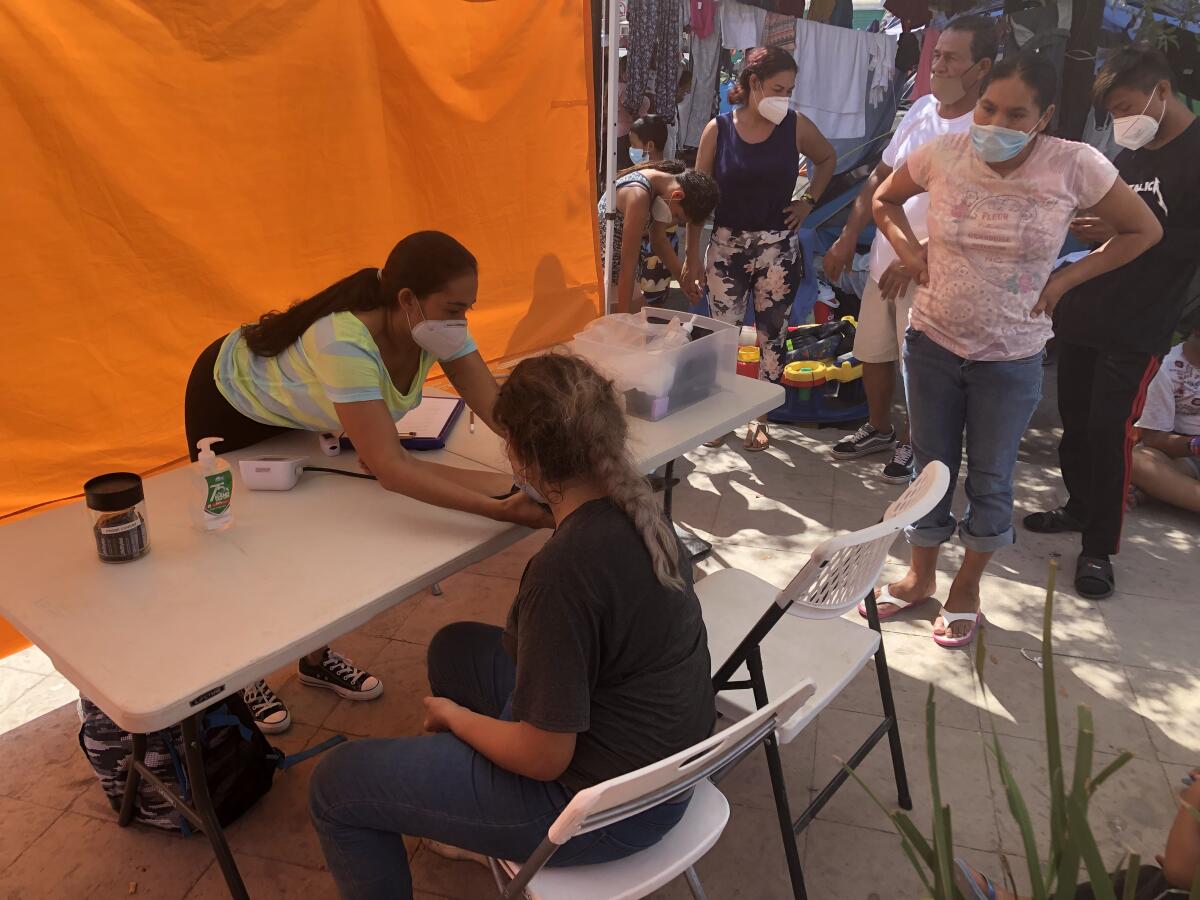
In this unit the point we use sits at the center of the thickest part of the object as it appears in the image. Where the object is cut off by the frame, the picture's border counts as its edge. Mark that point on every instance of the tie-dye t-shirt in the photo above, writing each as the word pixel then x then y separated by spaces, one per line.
pixel 993 240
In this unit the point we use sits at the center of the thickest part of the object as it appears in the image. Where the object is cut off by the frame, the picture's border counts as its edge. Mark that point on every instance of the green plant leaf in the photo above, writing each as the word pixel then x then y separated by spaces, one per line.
pixel 1081 837
pixel 1132 868
pixel 1020 814
pixel 904 826
pixel 1104 774
pixel 1058 815
pixel 943 843
pixel 1085 740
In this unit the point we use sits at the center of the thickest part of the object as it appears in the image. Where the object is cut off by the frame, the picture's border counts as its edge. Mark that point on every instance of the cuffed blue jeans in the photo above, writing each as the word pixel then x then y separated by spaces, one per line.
pixel 992 402
pixel 366 795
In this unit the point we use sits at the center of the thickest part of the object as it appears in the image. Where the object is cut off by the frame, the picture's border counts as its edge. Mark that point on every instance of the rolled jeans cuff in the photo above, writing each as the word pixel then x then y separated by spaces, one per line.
pixel 931 535
pixel 989 543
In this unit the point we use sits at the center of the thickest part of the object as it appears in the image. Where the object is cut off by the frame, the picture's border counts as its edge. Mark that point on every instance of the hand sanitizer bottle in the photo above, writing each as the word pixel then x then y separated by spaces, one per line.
pixel 213 489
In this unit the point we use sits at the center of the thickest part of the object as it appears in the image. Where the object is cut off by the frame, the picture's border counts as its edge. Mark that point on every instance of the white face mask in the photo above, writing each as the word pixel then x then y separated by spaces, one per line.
pixel 773 109
pixel 660 210
pixel 1135 132
pixel 441 338
pixel 530 491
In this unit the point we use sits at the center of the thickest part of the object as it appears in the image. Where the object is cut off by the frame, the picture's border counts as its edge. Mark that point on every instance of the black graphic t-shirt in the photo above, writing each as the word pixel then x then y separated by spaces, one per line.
pixel 1136 307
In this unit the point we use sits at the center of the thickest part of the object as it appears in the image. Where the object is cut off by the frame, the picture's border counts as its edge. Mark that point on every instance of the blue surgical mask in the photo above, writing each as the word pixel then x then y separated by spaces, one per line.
pixel 996 144
pixel 530 491
pixel 637 155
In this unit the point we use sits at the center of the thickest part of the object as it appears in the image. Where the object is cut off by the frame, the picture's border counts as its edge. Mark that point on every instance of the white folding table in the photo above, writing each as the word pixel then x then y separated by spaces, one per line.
pixel 204 615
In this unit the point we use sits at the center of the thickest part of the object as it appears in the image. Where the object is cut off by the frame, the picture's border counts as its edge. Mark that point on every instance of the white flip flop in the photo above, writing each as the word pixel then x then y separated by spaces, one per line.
pixel 949 618
pixel 885 595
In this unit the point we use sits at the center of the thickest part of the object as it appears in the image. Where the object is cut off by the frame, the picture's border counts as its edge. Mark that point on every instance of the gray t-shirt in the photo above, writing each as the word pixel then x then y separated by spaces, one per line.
pixel 603 650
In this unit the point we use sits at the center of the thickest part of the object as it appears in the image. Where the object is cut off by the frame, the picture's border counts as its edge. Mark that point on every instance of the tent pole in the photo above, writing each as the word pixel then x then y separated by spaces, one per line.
pixel 614 42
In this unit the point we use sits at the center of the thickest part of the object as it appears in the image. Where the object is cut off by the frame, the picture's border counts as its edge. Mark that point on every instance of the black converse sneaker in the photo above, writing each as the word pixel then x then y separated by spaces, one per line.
pixel 900 469
pixel 268 710
pixel 867 440
pixel 338 674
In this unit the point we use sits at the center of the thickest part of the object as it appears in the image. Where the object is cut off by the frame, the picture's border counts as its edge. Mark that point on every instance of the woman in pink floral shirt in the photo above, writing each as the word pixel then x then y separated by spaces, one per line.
pixel 1000 200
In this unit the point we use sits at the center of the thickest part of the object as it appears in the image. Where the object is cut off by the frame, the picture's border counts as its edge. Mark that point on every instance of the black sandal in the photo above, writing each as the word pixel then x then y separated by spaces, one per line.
pixel 1094 578
pixel 1054 521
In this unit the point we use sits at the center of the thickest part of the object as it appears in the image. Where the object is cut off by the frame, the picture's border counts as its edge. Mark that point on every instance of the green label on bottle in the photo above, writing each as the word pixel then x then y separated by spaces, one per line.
pixel 220 493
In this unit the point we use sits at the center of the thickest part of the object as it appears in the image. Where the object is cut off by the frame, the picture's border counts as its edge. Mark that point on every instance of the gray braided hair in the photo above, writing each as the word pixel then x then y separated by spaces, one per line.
pixel 563 418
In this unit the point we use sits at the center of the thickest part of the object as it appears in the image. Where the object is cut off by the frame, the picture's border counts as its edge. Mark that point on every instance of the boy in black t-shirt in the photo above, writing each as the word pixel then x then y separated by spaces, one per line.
pixel 1113 331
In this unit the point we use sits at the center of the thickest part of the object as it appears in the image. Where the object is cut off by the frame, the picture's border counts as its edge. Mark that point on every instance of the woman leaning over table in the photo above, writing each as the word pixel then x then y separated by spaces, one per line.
pixel 1001 198
pixel 353 358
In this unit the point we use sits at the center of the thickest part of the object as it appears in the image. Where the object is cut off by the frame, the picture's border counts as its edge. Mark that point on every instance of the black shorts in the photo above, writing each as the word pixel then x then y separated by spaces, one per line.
pixel 206 412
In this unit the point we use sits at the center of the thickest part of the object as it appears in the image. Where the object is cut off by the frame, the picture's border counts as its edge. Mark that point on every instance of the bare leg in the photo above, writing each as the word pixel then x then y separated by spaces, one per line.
pixel 919 582
pixel 964 592
pixel 879 382
pixel 1165 479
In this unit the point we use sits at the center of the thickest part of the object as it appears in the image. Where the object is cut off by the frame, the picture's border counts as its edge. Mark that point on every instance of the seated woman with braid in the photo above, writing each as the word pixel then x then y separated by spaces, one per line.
pixel 602 668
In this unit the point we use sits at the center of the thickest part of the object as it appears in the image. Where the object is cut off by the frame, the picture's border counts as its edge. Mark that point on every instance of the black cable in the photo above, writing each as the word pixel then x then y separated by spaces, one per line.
pixel 340 472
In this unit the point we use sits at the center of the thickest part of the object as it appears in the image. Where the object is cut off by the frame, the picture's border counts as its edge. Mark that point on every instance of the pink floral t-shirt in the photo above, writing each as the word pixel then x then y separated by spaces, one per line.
pixel 993 240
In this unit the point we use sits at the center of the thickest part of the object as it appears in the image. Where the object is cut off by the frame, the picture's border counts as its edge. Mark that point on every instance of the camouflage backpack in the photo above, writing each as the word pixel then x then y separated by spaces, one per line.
pixel 238 762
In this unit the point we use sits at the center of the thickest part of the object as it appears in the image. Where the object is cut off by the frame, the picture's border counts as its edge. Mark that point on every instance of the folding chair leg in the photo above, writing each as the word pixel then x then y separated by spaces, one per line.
pixel 889 708
pixel 694 885
pixel 778 784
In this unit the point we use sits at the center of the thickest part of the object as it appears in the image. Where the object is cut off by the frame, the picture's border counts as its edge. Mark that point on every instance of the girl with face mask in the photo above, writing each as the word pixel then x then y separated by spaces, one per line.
pixel 754 154
pixel 649 198
pixel 353 359
pixel 1001 198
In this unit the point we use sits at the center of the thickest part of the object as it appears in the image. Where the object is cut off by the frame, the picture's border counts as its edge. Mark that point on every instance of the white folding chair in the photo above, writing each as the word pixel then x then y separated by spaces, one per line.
pixel 744 641
pixel 627 795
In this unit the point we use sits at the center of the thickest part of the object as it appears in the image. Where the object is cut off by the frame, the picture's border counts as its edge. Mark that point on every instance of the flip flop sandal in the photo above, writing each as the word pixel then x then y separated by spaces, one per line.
pixel 885 595
pixel 715 442
pixel 949 618
pixel 965 881
pixel 1094 578
pixel 751 444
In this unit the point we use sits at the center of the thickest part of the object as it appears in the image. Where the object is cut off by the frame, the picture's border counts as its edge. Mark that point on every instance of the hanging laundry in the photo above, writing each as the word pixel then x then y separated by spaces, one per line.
pixel 838 69
pixel 654 34
pixel 793 8
pixel 703 17
pixel 843 14
pixel 821 10
pixel 929 39
pixel 912 14
pixel 701 103
pixel 741 25
pixel 779 31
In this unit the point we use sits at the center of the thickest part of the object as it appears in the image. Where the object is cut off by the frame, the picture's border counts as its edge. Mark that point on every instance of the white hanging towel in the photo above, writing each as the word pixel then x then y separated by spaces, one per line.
pixel 834 65
pixel 741 25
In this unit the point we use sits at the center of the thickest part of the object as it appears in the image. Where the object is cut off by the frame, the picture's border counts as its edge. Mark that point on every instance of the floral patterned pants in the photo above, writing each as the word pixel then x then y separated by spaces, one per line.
pixel 763 265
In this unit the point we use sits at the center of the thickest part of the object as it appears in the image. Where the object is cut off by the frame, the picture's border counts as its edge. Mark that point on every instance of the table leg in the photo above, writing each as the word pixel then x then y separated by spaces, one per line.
pixel 133 780
pixel 697 548
pixel 202 801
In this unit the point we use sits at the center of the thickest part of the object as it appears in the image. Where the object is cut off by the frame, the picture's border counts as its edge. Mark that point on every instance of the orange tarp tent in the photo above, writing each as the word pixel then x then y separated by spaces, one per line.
pixel 173 168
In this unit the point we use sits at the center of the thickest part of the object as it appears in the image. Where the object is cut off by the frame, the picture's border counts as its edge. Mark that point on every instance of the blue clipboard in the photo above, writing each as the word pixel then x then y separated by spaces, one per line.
pixel 426 442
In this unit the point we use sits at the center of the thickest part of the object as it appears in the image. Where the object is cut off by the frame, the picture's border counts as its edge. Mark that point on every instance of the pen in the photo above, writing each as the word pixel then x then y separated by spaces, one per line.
pixel 472 421
pixel 405 434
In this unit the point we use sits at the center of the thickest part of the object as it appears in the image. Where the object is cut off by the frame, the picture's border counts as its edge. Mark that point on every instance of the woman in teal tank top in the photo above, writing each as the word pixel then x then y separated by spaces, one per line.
pixel 353 359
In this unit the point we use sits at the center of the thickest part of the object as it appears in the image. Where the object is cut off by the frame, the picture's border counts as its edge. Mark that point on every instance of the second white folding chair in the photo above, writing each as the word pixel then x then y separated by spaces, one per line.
pixel 751 640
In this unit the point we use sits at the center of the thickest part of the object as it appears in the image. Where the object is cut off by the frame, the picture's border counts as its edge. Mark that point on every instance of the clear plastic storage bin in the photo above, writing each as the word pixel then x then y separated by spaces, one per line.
pixel 658 370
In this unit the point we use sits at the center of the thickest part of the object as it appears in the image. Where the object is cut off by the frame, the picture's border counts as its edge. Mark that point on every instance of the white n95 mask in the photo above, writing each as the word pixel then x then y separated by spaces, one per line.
pixel 441 338
pixel 1135 132
pixel 773 109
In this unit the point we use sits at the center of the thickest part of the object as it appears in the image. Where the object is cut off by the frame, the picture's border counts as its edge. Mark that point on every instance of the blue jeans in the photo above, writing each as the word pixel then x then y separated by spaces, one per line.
pixel 365 795
pixel 993 402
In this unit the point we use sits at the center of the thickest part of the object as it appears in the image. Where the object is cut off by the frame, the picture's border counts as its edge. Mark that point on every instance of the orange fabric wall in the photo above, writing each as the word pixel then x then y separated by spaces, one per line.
pixel 173 169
